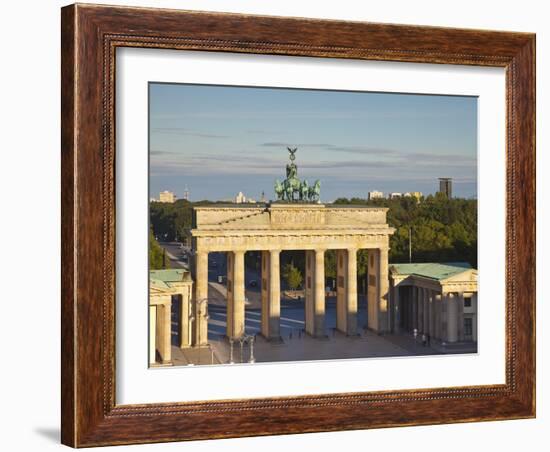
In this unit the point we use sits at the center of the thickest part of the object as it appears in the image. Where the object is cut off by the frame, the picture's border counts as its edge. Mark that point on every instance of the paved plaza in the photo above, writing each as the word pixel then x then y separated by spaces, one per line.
pixel 295 344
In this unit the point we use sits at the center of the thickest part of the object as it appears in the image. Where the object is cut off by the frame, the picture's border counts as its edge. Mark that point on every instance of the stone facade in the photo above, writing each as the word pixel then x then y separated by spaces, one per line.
pixel 170 291
pixel 439 300
pixel 276 227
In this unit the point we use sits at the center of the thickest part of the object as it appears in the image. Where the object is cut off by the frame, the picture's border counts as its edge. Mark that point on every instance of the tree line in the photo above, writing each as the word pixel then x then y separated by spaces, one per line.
pixel 442 230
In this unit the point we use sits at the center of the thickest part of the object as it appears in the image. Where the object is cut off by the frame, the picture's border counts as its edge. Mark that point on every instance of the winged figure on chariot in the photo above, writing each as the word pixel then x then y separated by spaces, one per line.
pixel 292 189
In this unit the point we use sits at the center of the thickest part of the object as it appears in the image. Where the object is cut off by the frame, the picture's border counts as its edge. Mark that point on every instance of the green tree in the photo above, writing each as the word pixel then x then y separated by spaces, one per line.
pixel 157 256
pixel 330 263
pixel 292 275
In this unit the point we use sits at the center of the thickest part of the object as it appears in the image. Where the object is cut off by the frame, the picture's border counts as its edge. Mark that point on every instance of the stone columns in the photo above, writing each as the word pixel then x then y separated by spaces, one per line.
pixel 164 329
pixel 319 311
pixel 396 310
pixel 346 309
pixel 420 309
pixel 265 294
pixel 384 283
pixel 200 303
pixel 315 292
pixel 452 318
pixel 460 315
pixel 271 295
pixel 431 299
pixel 431 303
pixel 475 316
pixel 378 290
pixel 185 314
pixel 274 294
pixel 437 304
pixel 426 310
pixel 414 307
pixel 341 288
pixel 235 295
pixel 152 334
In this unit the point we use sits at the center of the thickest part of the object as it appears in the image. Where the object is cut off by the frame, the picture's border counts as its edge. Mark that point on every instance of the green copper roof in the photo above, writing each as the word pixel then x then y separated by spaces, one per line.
pixel 158 284
pixel 169 275
pixel 431 270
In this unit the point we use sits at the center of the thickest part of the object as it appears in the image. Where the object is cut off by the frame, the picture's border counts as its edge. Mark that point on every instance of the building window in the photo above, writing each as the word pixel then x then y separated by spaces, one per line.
pixel 372 280
pixel 309 282
pixel 468 327
pixel 371 260
pixel 468 302
pixel 341 282
pixel 341 261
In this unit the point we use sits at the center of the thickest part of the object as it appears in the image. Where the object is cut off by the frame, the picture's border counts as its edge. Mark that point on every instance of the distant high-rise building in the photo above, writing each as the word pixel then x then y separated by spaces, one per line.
pixel 416 194
pixel 186 193
pixel 262 199
pixel 395 195
pixel 375 195
pixel 446 186
pixel 240 198
pixel 167 196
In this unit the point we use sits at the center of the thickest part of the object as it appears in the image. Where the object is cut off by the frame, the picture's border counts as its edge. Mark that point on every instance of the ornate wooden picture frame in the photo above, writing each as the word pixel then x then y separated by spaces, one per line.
pixel 90 37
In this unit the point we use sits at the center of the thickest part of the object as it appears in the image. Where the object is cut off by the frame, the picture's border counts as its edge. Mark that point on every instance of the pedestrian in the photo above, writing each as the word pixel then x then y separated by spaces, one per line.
pixel 424 339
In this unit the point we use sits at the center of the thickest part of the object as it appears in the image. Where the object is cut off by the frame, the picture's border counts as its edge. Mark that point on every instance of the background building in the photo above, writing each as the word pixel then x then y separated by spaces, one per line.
pixel 240 198
pixel 167 196
pixel 375 194
pixel 170 293
pixel 446 186
pixel 439 300
pixel 394 195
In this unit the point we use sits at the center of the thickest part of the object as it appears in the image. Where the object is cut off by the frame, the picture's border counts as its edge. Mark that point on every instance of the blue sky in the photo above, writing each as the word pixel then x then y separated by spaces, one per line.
pixel 219 140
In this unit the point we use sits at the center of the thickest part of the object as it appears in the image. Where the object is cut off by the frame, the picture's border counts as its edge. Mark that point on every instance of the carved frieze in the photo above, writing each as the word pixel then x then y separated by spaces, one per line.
pixel 296 226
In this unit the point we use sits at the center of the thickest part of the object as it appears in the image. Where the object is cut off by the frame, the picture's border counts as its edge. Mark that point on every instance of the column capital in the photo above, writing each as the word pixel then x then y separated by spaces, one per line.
pixel 277 251
pixel 319 250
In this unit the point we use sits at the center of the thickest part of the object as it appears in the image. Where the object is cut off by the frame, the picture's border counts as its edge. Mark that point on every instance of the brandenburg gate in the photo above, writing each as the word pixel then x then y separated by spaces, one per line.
pixel 297 221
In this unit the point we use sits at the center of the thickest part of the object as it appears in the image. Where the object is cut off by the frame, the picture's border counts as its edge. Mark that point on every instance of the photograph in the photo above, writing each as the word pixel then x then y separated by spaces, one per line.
pixel 271 224
pixel 292 224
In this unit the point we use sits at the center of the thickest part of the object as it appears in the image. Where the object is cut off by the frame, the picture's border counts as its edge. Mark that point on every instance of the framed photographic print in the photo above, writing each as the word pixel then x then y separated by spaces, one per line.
pixel 280 225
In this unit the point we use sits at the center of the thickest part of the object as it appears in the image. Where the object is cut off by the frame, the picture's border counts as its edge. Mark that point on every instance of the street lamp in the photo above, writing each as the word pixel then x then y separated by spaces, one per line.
pixel 251 360
pixel 242 341
pixel 191 320
pixel 231 360
pixel 190 334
